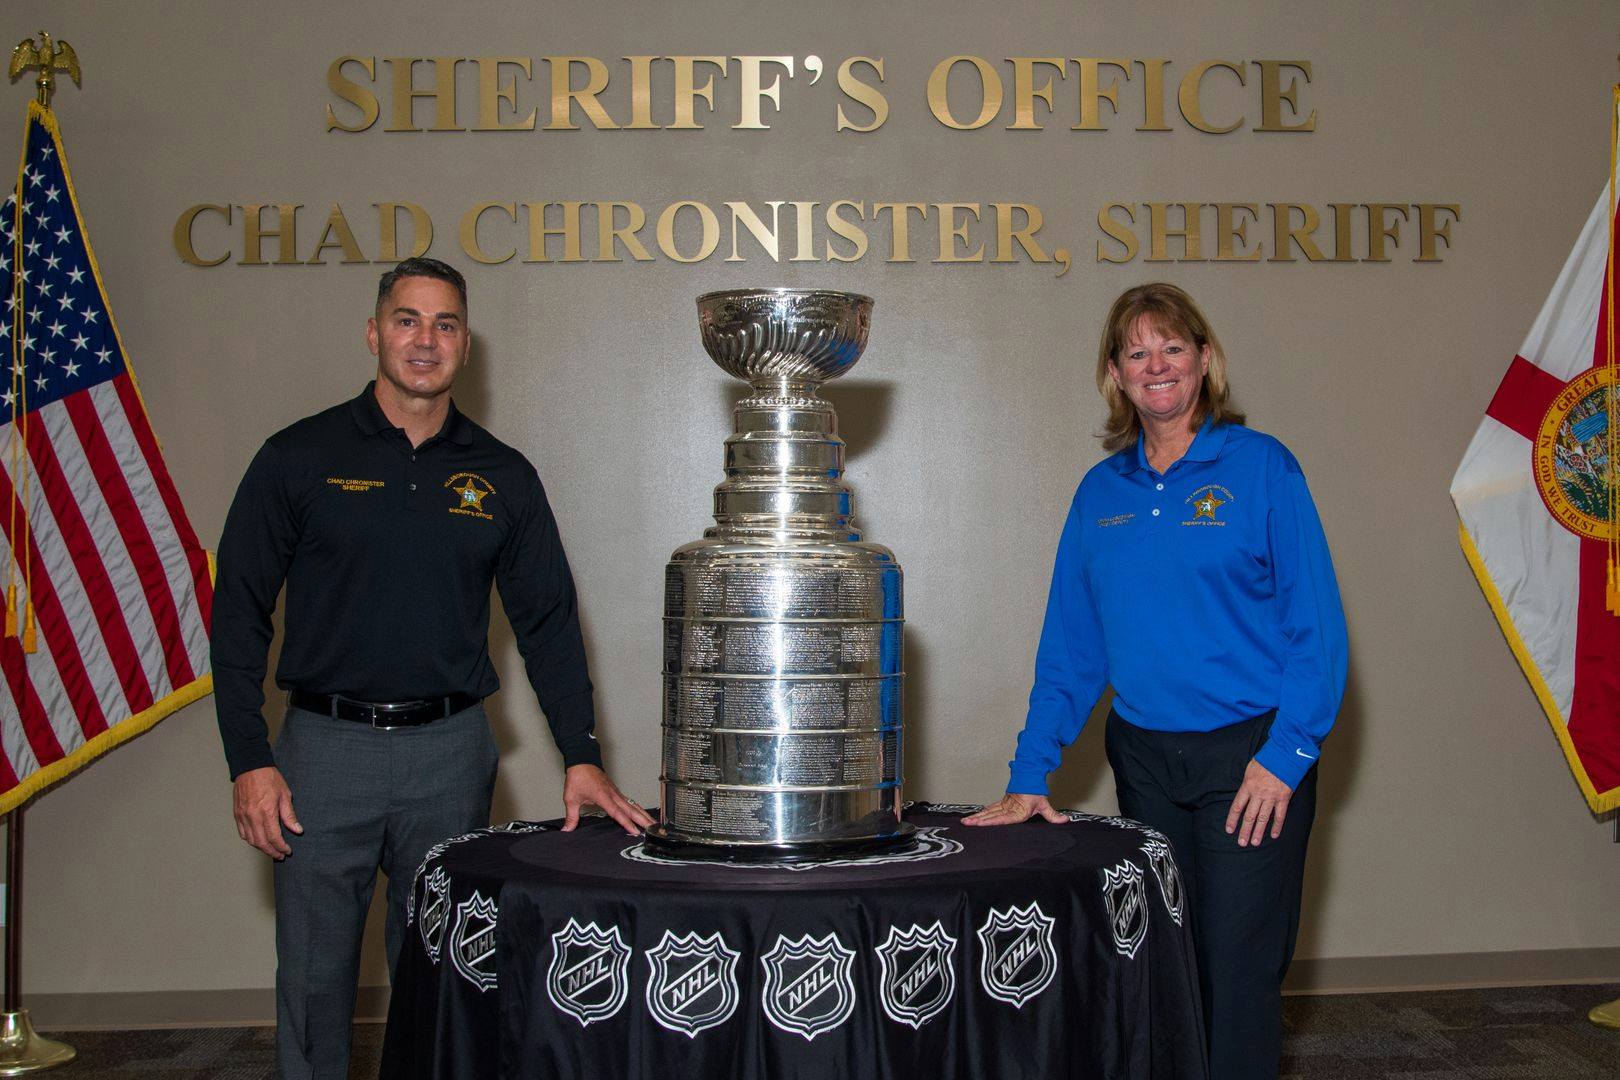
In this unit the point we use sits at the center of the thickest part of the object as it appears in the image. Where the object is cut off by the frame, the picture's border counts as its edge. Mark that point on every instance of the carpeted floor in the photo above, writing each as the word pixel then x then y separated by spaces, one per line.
pixel 1530 1033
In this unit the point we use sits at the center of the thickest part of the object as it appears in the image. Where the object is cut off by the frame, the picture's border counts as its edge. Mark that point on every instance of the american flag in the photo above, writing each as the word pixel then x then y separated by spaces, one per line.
pixel 102 560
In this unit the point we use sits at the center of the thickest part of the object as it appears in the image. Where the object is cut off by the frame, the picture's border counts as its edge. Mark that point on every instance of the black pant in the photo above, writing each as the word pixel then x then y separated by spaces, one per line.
pixel 1245 900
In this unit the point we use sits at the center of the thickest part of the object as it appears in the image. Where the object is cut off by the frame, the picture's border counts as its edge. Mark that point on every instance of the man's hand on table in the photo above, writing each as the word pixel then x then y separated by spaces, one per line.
pixel 589 785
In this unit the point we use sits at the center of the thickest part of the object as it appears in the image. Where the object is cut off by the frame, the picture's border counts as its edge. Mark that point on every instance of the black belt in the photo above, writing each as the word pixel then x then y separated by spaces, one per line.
pixel 382 715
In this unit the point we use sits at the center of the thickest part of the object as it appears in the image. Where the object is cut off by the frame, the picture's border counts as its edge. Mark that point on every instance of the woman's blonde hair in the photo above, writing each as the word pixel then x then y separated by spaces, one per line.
pixel 1172 312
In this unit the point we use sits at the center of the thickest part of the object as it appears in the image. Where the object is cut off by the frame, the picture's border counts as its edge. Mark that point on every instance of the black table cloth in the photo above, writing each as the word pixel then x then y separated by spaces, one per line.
pixel 1033 950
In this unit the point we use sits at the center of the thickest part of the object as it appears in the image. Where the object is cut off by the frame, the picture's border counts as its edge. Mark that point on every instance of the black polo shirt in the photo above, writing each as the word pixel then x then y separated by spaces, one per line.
pixel 388 552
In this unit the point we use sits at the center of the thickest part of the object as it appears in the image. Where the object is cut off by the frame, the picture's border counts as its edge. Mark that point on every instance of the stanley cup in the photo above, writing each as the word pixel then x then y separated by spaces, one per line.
pixel 782 628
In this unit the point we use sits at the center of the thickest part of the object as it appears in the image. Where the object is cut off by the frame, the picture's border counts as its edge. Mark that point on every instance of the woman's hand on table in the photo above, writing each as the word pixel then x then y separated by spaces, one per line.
pixel 1012 808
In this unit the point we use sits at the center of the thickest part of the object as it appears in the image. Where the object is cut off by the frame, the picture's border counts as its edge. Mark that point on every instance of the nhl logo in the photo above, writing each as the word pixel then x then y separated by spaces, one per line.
pixel 1164 868
pixel 918 979
pixel 472 942
pixel 1017 959
pixel 589 977
pixel 692 984
pixel 808 988
pixel 1126 897
pixel 435 911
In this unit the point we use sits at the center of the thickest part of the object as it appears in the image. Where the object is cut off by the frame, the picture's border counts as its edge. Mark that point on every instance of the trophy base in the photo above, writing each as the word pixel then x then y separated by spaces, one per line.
pixel 681 846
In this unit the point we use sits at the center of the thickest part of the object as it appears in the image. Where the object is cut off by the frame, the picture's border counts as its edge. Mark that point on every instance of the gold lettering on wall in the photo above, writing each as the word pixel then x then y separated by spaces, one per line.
pixel 336 235
pixel 388 231
pixel 493 94
pixel 1361 232
pixel 442 70
pixel 1190 96
pixel 1272 96
pixel 183 226
pixel 352 92
pixel 707 221
pixel 989 92
pixel 494 231
pixel 254 234
pixel 469 232
pixel 1093 93
pixel 862 93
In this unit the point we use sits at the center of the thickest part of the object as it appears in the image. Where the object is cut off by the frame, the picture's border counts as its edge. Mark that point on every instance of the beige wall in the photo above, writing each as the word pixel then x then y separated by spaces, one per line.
pixel 1450 823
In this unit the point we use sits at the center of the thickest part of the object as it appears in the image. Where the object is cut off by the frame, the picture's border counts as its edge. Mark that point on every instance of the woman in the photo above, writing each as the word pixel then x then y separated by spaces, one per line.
pixel 1193 577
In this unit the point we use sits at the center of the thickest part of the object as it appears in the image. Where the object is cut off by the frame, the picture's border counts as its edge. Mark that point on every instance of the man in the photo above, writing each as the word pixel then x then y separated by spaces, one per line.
pixel 387 517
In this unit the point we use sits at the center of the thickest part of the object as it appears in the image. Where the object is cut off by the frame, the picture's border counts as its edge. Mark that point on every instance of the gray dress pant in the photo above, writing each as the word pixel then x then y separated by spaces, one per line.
pixel 366 799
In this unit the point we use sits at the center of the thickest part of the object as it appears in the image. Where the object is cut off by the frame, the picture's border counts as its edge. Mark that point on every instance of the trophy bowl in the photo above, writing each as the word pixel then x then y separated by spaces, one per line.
pixel 794 336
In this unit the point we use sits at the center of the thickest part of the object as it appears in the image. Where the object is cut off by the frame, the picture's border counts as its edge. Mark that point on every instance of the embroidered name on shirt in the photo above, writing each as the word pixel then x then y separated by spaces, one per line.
pixel 471 491
pixel 345 484
pixel 1206 503
pixel 1117 519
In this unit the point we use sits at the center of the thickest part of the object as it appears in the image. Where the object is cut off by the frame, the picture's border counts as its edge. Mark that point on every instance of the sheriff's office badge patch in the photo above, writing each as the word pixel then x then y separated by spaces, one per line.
pixel 1206 505
pixel 1125 895
pixel 1017 959
pixel 692 982
pixel 1163 864
pixel 471 494
pixel 809 989
pixel 435 911
pixel 1570 456
pixel 589 974
pixel 917 977
pixel 472 942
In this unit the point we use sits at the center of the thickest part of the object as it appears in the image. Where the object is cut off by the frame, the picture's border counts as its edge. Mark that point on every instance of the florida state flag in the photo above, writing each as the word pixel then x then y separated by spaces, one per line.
pixel 1536 494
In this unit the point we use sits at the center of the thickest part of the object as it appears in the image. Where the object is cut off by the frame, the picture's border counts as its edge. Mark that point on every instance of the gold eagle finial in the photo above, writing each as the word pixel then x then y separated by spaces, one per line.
pixel 49 57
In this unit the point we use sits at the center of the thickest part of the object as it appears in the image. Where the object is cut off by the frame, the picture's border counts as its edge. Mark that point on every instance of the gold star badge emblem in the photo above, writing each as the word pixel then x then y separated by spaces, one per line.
pixel 470 495
pixel 1206 507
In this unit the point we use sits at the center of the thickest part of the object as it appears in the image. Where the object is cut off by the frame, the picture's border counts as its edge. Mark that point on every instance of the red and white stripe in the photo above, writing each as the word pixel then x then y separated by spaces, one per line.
pixel 120 588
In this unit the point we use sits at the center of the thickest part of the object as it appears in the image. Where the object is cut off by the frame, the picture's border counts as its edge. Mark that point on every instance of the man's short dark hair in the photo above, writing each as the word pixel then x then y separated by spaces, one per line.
pixel 429 268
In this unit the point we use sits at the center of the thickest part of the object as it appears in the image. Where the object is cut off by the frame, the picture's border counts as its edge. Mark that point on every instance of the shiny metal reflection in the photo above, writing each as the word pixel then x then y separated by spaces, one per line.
pixel 782 627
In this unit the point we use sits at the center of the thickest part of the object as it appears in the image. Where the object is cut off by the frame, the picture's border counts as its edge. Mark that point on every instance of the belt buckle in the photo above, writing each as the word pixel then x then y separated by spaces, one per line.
pixel 382 712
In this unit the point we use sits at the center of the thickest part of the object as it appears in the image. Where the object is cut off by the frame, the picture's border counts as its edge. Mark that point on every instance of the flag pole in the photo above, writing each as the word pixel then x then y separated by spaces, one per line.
pixel 22 1049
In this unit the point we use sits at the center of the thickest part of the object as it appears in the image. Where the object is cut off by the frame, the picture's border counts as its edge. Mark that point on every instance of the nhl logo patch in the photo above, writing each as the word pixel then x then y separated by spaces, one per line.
pixel 1125 895
pixel 917 977
pixel 692 984
pixel 472 941
pixel 1163 865
pixel 589 974
pixel 435 911
pixel 1016 957
pixel 808 986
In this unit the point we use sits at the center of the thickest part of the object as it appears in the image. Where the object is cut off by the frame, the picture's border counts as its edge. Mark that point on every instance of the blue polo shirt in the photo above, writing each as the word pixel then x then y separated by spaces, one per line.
pixel 1204 594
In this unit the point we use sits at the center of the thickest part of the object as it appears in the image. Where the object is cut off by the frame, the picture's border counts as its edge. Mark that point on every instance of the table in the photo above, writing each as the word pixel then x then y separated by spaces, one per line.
pixel 1034 950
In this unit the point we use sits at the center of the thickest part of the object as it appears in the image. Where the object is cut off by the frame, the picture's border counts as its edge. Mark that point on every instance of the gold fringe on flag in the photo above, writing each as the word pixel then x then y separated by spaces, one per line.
pixel 20 471
pixel 18 383
pixel 1612 592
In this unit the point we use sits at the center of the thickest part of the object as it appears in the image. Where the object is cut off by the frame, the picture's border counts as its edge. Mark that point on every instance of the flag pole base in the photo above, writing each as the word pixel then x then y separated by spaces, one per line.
pixel 24 1050
pixel 1606 1015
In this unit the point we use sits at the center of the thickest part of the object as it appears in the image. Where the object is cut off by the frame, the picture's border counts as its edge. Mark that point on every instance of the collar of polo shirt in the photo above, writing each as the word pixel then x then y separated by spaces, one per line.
pixel 371 419
pixel 1206 446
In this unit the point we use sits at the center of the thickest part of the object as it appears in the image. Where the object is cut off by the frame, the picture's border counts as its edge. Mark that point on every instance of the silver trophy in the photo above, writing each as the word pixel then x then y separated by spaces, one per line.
pixel 782 628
